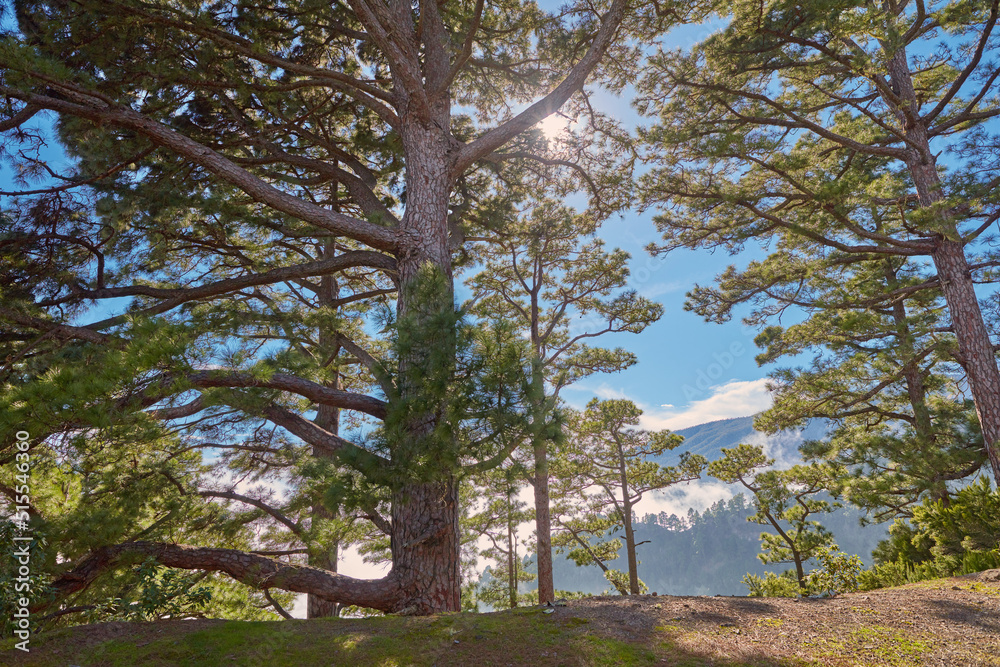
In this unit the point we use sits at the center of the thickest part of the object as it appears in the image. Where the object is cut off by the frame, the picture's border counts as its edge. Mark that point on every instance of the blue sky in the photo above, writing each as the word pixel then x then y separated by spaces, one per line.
pixel 689 371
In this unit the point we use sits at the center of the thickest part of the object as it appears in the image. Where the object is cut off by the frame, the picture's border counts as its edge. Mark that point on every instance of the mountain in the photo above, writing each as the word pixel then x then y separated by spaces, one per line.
pixel 708 552
pixel 710 438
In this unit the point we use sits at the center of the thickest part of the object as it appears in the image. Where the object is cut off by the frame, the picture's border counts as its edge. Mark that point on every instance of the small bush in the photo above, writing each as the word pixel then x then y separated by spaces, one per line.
pixel 772 585
pixel 838 572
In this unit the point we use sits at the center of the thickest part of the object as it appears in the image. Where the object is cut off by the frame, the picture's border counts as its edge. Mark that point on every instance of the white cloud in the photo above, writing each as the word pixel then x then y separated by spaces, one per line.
pixel 677 499
pixel 608 392
pixel 736 398
pixel 653 290
pixel 783 447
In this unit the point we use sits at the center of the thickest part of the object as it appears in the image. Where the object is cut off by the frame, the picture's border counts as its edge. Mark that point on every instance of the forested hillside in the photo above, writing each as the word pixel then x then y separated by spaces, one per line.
pixel 707 553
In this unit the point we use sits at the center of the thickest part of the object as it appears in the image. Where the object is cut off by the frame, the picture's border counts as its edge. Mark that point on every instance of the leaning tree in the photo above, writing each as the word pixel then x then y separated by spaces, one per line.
pixel 822 120
pixel 230 158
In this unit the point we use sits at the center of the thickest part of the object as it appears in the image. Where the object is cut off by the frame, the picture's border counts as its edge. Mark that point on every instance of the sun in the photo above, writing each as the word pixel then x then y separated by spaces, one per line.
pixel 553 124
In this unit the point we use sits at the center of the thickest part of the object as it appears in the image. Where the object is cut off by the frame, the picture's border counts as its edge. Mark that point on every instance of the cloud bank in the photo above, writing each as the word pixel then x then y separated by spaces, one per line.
pixel 736 398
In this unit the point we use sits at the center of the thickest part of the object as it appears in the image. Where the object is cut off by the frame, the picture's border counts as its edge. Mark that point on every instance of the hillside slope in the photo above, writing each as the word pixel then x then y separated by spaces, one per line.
pixel 953 622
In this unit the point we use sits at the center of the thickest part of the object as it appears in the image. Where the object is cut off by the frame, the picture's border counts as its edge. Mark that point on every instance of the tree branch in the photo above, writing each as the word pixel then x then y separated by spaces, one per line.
pixel 253 570
pixel 500 135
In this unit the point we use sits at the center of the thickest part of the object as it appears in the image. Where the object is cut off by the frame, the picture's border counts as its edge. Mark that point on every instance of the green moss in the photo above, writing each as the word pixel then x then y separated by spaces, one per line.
pixel 604 651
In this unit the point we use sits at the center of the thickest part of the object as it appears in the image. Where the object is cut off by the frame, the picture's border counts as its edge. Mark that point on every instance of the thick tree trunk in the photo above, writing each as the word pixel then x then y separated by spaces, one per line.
pixel 425 547
pixel 425 530
pixel 975 347
pixel 543 524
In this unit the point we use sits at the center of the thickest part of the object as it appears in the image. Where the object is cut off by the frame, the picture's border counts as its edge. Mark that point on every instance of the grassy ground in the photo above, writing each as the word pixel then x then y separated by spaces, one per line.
pixel 947 622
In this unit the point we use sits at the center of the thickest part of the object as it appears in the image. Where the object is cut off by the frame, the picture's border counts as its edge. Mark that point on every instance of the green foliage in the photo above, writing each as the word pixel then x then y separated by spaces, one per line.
pixel 159 593
pixel 545 271
pixel 500 514
pixel 15 586
pixel 941 539
pixel 902 571
pixel 837 573
pixel 784 499
pixel 969 521
pixel 772 585
pixel 494 587
pixel 620 582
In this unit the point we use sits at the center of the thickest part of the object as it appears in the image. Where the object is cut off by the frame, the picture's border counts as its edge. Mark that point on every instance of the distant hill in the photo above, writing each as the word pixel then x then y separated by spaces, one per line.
pixel 708 552
pixel 710 438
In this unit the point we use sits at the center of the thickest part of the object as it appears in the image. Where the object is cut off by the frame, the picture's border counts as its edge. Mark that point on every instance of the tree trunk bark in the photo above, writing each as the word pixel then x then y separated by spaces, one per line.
pixel 425 529
pixel 800 571
pixel 425 547
pixel 540 410
pixel 543 525
pixel 633 561
pixel 975 347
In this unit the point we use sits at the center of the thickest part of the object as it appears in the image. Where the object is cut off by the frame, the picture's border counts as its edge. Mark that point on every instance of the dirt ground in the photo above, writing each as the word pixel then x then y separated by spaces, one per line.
pixel 947 622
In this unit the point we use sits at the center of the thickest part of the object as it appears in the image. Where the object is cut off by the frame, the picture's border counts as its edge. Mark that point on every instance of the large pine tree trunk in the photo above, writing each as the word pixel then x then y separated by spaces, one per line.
pixel 425 547
pixel 975 347
pixel 425 529
pixel 543 524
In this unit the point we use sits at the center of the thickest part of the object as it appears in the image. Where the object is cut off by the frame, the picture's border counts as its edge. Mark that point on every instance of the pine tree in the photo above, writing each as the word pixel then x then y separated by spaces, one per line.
pixel 547 273
pixel 613 457
pixel 208 135
pixel 785 500
pixel 826 120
